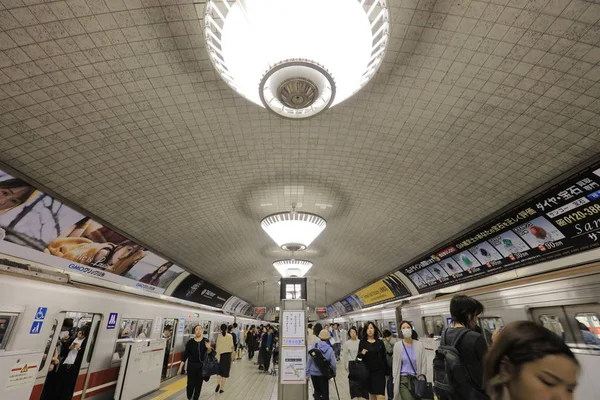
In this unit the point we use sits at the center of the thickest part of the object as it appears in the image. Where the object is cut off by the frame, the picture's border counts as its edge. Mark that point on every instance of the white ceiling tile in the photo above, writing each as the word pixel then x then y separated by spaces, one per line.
pixel 122 92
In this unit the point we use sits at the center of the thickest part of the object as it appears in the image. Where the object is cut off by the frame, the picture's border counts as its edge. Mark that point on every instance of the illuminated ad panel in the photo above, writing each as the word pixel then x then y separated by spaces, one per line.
pixel 562 220
pixel 39 228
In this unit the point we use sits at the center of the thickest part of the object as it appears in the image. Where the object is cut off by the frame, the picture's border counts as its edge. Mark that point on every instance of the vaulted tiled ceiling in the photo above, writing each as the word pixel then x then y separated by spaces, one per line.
pixel 114 105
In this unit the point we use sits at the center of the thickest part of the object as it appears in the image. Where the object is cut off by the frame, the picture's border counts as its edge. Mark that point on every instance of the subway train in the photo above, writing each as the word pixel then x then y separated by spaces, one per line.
pixel 565 301
pixel 33 310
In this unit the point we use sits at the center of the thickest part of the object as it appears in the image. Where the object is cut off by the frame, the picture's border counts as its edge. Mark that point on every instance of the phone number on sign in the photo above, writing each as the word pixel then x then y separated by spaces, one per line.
pixel 579 215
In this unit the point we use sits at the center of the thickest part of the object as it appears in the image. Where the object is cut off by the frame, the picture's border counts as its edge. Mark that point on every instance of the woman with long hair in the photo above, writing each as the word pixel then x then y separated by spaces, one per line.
pixel 224 352
pixel 153 278
pixel 409 362
pixel 371 351
pixel 529 362
pixel 195 353
pixel 349 353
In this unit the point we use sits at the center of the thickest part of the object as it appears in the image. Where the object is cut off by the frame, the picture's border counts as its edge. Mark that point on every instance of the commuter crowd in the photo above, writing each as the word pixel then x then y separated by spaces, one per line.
pixel 525 361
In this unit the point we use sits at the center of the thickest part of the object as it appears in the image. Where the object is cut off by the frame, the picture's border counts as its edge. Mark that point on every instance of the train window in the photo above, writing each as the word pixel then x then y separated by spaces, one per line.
pixel 552 323
pixel 144 327
pixel 48 345
pixel 127 328
pixel 589 327
pixel 489 325
pixel 7 322
pixel 434 325
pixel 130 329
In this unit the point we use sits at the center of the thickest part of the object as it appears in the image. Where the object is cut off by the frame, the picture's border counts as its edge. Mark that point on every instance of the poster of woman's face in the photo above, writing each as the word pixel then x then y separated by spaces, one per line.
pixel 35 220
pixel 154 270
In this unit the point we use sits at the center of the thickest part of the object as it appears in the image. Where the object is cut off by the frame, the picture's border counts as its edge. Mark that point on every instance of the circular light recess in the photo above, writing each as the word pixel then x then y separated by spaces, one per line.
pixel 296 57
pixel 292 268
pixel 293 230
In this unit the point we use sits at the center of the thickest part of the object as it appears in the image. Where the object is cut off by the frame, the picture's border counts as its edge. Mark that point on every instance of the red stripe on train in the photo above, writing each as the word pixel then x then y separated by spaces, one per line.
pixel 96 379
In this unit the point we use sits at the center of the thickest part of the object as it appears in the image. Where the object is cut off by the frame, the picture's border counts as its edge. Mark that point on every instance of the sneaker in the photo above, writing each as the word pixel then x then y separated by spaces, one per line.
pixel 217 388
pixel 221 391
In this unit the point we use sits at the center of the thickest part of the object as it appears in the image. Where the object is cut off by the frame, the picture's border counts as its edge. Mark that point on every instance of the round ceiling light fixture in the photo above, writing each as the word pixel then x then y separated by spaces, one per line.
pixel 292 268
pixel 293 231
pixel 296 58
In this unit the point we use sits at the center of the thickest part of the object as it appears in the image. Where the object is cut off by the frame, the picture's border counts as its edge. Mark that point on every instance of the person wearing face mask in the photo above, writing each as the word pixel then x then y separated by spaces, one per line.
pixel 471 345
pixel 529 362
pixel 409 362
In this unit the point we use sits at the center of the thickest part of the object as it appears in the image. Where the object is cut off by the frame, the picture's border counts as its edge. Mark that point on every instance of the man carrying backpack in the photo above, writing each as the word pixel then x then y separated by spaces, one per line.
pixel 458 362
pixel 321 366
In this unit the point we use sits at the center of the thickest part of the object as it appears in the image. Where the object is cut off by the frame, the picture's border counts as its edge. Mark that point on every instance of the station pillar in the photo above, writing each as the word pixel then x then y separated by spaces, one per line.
pixel 292 339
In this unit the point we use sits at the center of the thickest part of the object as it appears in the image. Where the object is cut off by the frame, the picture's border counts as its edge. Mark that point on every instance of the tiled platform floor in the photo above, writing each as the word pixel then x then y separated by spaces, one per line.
pixel 245 383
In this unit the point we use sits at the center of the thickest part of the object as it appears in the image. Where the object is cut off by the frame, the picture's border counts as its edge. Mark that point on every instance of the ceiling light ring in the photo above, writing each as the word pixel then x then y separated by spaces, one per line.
pixel 292 268
pixel 293 230
pixel 291 63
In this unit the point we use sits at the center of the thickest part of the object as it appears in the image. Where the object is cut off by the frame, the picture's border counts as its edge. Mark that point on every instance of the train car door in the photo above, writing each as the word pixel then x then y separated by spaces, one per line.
pixel 64 367
pixel 170 331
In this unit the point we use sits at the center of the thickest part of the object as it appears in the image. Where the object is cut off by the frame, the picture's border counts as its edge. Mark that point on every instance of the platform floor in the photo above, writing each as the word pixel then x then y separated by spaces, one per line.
pixel 246 383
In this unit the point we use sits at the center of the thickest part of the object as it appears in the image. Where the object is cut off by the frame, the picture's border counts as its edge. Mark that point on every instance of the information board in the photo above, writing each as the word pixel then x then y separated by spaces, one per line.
pixel 562 220
pixel 293 325
pixel 293 365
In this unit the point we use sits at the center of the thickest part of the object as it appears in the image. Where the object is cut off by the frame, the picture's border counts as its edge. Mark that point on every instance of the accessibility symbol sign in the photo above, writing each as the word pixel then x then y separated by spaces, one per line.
pixel 36 327
pixel 41 313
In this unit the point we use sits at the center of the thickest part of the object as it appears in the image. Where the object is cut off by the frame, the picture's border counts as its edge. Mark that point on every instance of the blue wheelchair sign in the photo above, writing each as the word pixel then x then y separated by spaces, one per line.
pixel 36 327
pixel 40 315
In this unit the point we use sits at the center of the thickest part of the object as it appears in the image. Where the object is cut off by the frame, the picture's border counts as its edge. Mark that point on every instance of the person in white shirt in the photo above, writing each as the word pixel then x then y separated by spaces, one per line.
pixel 68 370
pixel 336 341
pixel 350 351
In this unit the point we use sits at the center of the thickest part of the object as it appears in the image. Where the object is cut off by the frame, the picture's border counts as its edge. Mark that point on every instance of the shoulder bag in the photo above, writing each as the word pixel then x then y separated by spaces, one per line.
pixel 419 387
pixel 210 365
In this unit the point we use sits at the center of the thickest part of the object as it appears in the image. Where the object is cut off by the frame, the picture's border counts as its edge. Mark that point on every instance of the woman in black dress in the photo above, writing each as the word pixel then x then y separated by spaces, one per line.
pixel 371 351
pixel 194 353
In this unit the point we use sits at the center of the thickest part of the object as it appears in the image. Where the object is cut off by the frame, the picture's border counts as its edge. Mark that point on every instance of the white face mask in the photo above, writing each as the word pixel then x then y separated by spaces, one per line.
pixel 407 333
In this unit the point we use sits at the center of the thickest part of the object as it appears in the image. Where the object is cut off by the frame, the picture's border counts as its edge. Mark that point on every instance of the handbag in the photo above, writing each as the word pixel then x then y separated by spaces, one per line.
pixel 358 371
pixel 420 388
pixel 210 365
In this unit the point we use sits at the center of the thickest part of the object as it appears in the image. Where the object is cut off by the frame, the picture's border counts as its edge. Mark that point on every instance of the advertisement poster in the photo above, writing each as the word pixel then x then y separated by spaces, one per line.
pixel 235 305
pixel 562 220
pixel 33 221
pixel 200 291
pixel 375 293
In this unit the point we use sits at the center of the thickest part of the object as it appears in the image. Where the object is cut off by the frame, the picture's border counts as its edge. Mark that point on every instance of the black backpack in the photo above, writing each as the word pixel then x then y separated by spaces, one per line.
pixel 451 381
pixel 322 363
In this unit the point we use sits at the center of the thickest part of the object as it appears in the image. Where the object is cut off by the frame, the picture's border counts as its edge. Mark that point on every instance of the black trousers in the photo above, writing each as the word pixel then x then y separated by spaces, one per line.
pixel 66 378
pixel 321 385
pixel 250 352
pixel 194 380
pixel 267 360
